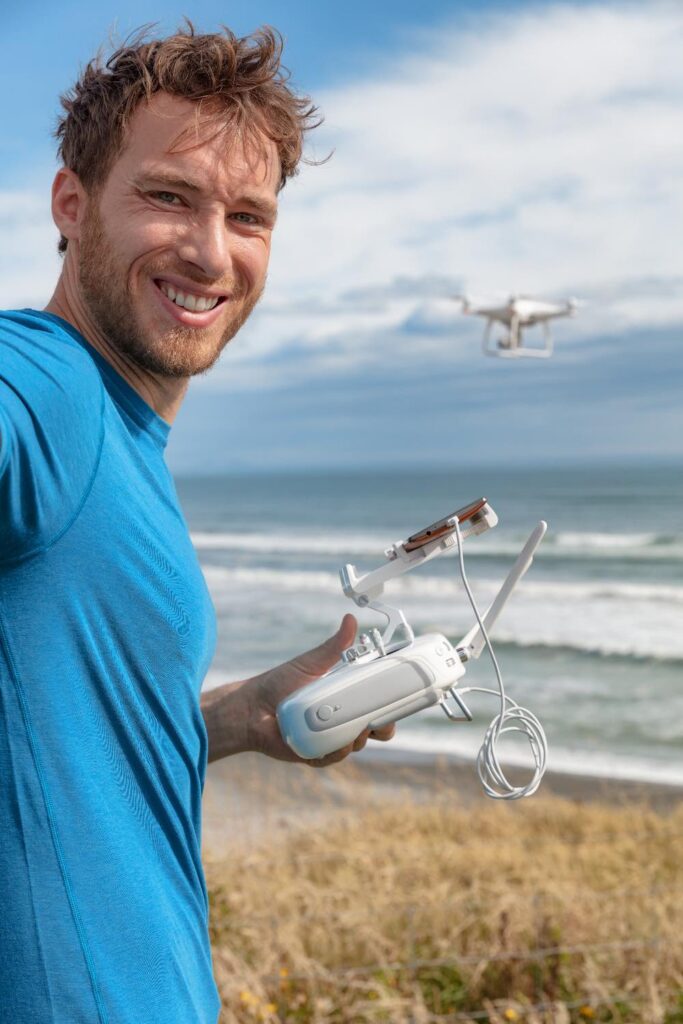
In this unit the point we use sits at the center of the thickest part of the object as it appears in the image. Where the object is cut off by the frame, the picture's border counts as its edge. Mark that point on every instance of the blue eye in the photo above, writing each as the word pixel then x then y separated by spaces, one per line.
pixel 166 197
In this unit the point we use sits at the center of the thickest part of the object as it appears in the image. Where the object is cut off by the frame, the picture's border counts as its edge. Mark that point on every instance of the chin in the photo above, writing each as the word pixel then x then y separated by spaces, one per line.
pixel 176 365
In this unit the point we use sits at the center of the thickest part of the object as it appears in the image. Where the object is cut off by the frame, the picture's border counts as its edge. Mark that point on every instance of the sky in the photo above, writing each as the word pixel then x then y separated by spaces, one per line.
pixel 488 148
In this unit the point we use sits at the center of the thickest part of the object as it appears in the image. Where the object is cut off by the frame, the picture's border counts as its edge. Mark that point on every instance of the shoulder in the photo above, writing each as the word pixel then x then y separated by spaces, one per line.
pixel 40 353
pixel 51 428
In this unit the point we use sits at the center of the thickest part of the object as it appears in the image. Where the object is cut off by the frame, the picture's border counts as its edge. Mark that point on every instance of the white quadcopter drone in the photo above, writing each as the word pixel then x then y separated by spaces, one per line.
pixel 519 312
pixel 383 679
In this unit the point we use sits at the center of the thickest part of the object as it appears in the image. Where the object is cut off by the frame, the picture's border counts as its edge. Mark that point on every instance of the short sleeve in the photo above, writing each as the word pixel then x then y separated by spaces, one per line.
pixel 51 425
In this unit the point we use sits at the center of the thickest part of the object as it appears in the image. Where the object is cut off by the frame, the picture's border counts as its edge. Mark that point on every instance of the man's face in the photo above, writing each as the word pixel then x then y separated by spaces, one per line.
pixel 174 247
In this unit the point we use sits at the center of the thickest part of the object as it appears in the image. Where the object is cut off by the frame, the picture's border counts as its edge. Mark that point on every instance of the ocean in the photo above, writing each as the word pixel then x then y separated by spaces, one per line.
pixel 591 641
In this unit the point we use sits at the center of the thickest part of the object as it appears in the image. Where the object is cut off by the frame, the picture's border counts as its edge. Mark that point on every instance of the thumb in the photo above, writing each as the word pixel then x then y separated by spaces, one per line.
pixel 326 654
pixel 344 636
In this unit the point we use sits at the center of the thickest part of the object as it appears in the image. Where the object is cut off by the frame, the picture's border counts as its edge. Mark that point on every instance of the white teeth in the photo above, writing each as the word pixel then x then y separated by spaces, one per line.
pixel 195 303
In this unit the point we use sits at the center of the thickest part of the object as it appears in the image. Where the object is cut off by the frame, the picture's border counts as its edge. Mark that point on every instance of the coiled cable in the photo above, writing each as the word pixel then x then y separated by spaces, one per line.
pixel 511 718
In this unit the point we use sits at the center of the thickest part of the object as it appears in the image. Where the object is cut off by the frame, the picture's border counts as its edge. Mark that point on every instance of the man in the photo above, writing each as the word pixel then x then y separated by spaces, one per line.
pixel 174 154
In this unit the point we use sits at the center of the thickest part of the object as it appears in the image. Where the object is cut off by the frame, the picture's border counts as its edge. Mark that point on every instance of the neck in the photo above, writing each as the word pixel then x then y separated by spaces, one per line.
pixel 163 394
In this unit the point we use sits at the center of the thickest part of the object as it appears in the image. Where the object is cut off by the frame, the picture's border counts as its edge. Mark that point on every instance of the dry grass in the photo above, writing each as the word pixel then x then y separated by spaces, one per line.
pixel 437 912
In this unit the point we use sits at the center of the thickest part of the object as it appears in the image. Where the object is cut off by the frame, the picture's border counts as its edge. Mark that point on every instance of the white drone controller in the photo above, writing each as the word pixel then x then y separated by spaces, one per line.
pixel 382 680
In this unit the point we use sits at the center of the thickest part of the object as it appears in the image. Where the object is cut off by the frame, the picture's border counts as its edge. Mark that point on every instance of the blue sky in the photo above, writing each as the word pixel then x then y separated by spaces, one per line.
pixel 325 43
pixel 487 147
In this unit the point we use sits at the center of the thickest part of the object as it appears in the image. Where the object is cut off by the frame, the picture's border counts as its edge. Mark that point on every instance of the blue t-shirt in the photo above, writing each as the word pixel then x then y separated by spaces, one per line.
pixel 106 633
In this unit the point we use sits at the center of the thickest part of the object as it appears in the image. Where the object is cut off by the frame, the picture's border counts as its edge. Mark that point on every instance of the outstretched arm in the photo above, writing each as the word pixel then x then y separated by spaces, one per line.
pixel 241 716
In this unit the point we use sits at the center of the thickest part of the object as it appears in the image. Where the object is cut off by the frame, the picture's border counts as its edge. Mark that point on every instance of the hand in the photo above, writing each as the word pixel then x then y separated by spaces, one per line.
pixel 264 693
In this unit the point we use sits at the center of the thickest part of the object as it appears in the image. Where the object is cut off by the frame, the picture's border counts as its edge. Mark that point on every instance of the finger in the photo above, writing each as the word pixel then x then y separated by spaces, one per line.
pixel 383 734
pixel 360 742
pixel 335 758
pixel 339 755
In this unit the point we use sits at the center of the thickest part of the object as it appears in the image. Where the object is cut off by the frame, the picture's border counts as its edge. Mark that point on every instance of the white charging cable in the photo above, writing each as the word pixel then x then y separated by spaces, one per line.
pixel 511 718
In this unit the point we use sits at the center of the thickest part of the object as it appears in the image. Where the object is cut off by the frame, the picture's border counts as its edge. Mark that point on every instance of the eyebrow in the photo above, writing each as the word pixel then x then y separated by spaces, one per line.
pixel 265 206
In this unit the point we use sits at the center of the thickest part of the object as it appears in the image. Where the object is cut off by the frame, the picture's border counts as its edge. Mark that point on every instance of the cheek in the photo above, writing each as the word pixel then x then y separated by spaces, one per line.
pixel 145 236
pixel 254 257
pixel 141 244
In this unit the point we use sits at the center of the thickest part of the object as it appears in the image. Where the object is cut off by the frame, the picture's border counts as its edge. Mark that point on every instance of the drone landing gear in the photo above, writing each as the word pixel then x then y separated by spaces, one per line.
pixel 511 345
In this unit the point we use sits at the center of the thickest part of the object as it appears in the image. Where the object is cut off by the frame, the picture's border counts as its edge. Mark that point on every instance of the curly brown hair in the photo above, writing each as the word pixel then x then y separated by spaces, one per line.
pixel 237 82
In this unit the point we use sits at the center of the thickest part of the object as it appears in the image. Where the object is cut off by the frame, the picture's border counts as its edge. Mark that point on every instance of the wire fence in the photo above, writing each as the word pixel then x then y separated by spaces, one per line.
pixel 380 972
pixel 545 953
pixel 375 980
pixel 493 1011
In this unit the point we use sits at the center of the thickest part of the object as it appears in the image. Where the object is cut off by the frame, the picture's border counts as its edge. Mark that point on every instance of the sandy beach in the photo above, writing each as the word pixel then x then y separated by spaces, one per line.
pixel 249 797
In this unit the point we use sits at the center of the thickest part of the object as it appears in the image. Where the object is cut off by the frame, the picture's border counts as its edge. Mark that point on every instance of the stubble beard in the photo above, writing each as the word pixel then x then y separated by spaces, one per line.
pixel 176 352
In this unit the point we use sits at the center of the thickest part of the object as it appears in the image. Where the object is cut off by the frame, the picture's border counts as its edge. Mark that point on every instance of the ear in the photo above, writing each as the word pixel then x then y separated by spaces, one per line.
pixel 69 201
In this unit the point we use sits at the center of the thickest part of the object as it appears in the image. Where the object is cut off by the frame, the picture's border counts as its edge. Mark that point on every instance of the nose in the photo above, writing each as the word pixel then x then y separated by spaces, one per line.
pixel 206 244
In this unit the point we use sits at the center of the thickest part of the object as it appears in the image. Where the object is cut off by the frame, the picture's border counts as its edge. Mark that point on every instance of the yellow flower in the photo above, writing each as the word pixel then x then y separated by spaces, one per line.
pixel 587 1011
pixel 247 997
pixel 267 1009
pixel 283 972
pixel 511 1014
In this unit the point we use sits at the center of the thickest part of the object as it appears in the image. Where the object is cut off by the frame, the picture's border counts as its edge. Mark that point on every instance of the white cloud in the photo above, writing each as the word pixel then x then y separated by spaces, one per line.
pixel 29 264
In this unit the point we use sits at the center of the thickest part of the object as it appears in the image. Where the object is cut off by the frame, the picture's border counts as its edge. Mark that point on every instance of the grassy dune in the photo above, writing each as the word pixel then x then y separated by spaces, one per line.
pixel 545 910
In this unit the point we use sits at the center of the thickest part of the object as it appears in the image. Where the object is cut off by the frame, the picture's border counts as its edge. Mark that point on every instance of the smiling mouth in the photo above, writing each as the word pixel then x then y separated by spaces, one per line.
pixel 187 300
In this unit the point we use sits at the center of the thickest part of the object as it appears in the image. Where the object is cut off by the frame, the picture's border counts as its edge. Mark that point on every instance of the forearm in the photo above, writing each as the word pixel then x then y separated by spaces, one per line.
pixel 226 716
